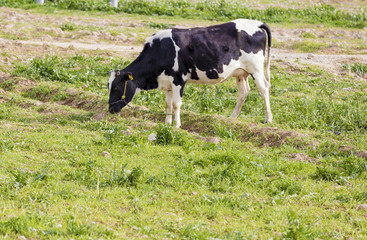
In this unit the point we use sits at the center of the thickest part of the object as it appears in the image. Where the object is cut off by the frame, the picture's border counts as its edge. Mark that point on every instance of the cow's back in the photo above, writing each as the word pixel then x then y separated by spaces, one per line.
pixel 206 54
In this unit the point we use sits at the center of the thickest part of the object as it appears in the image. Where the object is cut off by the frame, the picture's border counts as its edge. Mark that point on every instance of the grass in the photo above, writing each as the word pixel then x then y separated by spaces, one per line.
pixel 57 183
pixel 212 10
pixel 69 170
pixel 190 184
pixel 317 113
pixel 356 67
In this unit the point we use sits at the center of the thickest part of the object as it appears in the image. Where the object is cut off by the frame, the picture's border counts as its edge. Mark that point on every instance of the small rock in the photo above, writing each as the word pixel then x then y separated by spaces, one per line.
pixel 362 207
pixel 152 137
pixel 127 132
pixel 105 154
pixel 38 103
pixel 215 140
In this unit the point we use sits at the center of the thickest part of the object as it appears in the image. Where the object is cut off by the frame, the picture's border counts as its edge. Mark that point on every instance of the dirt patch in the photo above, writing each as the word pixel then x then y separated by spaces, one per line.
pixel 300 157
pixel 331 63
pixel 100 116
pixel 352 151
pixel 273 137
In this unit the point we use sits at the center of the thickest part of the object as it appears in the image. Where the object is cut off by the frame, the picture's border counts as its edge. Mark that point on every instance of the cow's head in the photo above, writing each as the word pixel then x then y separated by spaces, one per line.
pixel 121 89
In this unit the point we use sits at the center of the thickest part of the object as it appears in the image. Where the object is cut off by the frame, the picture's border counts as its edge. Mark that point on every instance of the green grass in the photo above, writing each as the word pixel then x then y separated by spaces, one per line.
pixel 319 101
pixel 70 170
pixel 356 67
pixel 183 187
pixel 56 183
pixel 211 10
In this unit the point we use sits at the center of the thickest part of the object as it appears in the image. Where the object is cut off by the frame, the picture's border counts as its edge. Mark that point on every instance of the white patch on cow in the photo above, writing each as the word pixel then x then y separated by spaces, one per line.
pixel 203 78
pixel 110 80
pixel 249 26
pixel 161 35
pixel 165 82
pixel 247 63
pixel 175 65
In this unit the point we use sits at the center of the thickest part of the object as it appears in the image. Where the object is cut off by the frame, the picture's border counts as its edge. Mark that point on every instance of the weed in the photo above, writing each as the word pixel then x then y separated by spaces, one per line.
pixel 7 85
pixel 6 145
pixel 67 26
pixel 307 35
pixel 124 177
pixel 352 166
pixel 85 174
pixel 356 67
pixel 284 186
pixel 164 135
pixel 75 228
pixel 21 178
pixel 159 25
pixel 225 132
pixel 38 92
pixel 14 225
pixel 359 196
pixel 310 47
pixel 328 174
pixel 297 228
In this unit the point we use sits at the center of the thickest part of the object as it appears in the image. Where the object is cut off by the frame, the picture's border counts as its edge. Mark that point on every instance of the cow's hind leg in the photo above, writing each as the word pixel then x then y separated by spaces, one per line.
pixel 264 87
pixel 169 100
pixel 243 90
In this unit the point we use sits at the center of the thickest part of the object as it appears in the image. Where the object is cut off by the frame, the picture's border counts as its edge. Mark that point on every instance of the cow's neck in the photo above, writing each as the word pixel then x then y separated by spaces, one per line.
pixel 145 76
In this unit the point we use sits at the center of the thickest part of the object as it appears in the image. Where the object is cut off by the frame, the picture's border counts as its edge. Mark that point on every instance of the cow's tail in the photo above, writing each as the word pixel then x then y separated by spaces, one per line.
pixel 267 67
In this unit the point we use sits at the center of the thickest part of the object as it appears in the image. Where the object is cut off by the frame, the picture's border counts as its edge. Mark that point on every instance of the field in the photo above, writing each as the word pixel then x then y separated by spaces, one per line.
pixel 71 170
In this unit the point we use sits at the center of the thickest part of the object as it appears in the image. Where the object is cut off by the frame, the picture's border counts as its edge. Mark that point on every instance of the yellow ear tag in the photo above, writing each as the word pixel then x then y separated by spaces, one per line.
pixel 130 77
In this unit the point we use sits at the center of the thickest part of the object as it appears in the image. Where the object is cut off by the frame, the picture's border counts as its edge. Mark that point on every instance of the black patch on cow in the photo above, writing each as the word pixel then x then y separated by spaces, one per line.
pixel 208 49
pixel 253 43
pixel 152 61
pixel 194 74
pixel 212 74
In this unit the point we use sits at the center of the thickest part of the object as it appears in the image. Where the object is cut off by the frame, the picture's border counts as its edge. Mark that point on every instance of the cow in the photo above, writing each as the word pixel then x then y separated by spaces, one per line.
pixel 207 55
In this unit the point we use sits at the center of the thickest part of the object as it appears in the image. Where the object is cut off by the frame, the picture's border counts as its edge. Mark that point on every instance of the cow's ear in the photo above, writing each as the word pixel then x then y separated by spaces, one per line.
pixel 130 75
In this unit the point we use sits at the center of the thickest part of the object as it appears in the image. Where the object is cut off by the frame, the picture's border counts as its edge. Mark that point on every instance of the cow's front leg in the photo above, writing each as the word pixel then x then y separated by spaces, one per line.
pixel 177 102
pixel 169 100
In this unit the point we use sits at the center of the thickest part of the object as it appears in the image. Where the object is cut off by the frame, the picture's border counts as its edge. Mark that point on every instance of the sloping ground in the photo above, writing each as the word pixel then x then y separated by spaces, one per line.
pixel 92 34
pixel 196 124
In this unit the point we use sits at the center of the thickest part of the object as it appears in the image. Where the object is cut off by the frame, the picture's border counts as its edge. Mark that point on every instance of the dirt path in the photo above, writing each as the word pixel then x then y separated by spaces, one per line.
pixel 87 46
pixel 328 62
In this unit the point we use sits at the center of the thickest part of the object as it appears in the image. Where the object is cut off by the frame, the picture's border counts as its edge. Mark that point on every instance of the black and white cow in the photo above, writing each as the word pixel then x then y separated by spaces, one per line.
pixel 208 55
